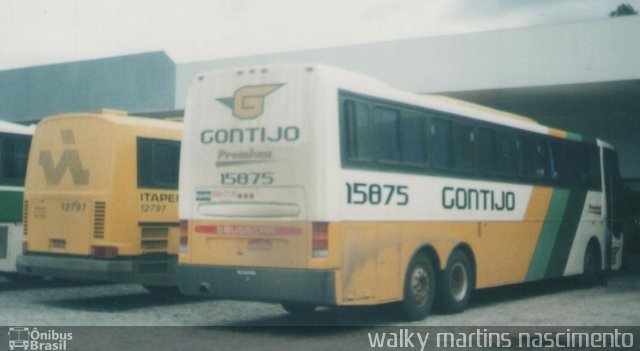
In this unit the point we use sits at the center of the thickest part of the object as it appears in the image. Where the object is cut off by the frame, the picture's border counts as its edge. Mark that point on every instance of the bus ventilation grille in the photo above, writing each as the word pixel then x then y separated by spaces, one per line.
pixel 155 239
pixel 25 216
pixel 98 219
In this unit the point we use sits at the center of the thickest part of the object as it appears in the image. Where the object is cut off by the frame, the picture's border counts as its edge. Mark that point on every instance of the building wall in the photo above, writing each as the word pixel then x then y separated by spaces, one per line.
pixel 594 51
pixel 139 82
pixel 554 66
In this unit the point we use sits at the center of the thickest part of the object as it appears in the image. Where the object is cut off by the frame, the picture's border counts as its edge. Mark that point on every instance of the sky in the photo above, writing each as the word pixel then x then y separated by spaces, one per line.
pixel 37 32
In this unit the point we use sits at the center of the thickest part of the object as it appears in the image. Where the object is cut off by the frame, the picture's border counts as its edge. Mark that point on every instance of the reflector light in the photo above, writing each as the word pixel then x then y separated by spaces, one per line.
pixel 184 236
pixel 104 251
pixel 320 239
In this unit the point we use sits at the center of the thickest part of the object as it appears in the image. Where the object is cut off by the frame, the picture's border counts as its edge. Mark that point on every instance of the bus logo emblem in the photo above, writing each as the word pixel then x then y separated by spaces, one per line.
pixel 248 101
pixel 70 159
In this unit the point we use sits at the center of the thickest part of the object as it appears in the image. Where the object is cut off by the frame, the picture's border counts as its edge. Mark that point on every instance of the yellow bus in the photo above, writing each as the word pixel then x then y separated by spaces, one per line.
pixel 310 185
pixel 101 199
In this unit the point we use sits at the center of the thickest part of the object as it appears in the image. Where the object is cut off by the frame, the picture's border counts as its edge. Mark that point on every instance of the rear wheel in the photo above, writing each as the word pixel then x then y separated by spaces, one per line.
pixel 419 289
pixel 456 283
pixel 298 308
pixel 592 269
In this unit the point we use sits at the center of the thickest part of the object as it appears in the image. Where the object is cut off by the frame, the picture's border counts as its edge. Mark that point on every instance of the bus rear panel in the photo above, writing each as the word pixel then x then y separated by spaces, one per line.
pixel 89 216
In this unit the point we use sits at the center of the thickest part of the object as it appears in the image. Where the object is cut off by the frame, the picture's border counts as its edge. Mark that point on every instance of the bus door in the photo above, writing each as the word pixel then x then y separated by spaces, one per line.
pixel 612 187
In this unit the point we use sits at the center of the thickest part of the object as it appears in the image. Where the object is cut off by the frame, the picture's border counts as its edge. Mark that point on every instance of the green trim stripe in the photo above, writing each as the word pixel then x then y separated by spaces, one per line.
pixel 566 234
pixel 548 233
pixel 574 136
pixel 557 234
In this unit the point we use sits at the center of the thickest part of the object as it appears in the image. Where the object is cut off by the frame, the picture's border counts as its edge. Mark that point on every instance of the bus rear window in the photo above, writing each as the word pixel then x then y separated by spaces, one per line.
pixel 158 163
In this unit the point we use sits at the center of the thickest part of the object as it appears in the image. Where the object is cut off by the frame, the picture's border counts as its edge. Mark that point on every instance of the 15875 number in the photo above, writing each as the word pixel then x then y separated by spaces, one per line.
pixel 247 178
pixel 377 194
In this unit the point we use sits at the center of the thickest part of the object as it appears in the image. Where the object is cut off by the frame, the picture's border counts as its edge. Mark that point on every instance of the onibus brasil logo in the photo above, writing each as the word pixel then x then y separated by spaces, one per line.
pixel 34 340
pixel 248 101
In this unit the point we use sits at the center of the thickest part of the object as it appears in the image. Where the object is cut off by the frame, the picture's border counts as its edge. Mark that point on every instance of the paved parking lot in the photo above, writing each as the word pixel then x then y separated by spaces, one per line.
pixel 557 302
pixel 234 325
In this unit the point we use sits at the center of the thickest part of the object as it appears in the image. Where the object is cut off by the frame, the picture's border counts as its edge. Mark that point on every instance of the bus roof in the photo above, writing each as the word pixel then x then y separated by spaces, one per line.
pixel 13 128
pixel 368 85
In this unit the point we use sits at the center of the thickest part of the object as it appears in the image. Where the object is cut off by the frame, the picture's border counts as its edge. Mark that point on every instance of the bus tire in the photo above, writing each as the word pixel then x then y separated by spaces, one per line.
pixel 298 308
pixel 592 266
pixel 419 288
pixel 456 283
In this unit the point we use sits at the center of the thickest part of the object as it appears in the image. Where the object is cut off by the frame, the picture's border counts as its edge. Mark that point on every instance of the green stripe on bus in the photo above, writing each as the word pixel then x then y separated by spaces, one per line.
pixel 11 206
pixel 574 136
pixel 548 234
pixel 566 234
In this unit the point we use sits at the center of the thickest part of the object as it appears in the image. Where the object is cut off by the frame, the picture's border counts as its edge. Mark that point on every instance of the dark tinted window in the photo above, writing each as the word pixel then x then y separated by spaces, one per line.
pixel 534 159
pixel 14 151
pixel 595 177
pixel 414 139
pixel 358 133
pixel 507 154
pixel 440 143
pixel 387 138
pixel 158 163
pixel 487 152
pixel 463 147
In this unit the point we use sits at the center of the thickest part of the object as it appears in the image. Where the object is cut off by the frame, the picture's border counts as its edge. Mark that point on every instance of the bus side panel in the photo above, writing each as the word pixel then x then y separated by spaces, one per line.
pixel 11 206
pixel 10 245
pixel 591 225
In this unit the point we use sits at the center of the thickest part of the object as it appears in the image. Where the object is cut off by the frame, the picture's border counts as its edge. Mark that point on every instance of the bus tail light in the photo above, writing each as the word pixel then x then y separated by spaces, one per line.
pixel 104 251
pixel 320 239
pixel 184 236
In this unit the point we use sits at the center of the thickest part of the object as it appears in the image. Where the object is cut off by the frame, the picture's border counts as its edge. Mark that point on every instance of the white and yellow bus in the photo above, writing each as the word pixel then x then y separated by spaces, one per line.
pixel 310 185
pixel 101 199
pixel 14 150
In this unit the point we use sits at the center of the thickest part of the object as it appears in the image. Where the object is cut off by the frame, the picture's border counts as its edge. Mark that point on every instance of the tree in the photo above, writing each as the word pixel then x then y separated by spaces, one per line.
pixel 623 10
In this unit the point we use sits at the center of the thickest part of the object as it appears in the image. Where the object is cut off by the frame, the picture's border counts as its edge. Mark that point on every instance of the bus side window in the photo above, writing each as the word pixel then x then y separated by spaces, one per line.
pixel 14 151
pixel 463 147
pixel 440 143
pixel 534 159
pixel 386 125
pixel 359 145
pixel 582 165
pixel 595 181
pixel 506 157
pixel 567 163
pixel 413 143
pixel 487 162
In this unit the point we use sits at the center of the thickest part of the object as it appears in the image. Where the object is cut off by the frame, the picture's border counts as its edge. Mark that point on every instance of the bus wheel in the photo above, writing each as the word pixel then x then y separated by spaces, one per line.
pixel 298 308
pixel 592 269
pixel 456 283
pixel 419 288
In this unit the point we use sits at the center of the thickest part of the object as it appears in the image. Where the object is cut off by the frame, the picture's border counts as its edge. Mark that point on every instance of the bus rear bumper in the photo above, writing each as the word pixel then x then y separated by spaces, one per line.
pixel 259 284
pixel 151 269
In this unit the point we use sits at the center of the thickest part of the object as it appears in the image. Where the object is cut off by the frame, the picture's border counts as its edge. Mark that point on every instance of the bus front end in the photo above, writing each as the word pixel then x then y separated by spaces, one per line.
pixel 246 186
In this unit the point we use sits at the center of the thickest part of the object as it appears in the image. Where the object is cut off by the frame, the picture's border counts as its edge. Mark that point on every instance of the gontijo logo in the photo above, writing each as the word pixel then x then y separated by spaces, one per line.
pixel 248 101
